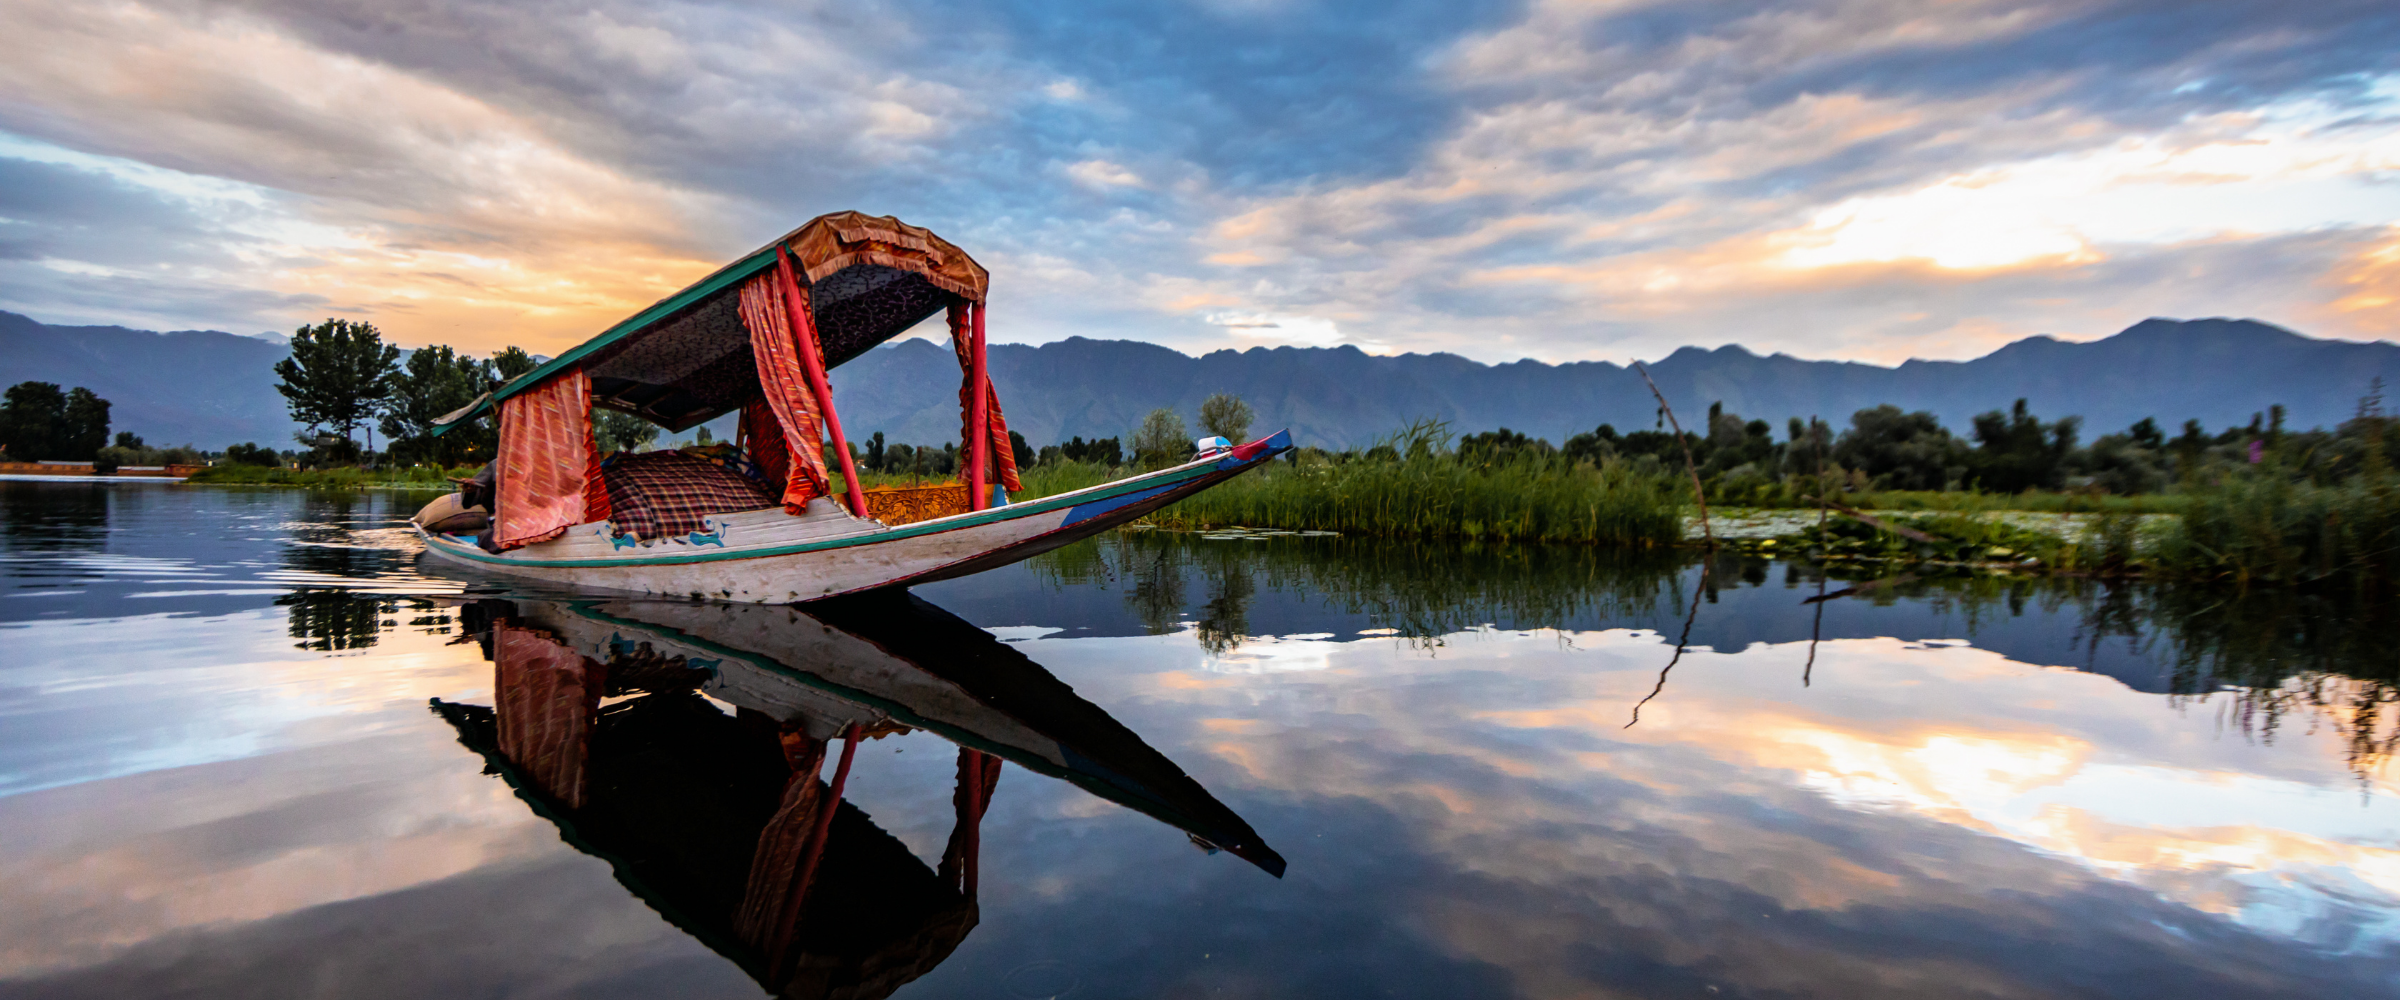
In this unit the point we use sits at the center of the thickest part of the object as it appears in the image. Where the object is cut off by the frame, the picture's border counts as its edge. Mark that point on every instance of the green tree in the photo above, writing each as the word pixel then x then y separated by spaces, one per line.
pixel 250 453
pixel 86 424
pixel 512 362
pixel 339 373
pixel 33 422
pixel 618 431
pixel 1225 415
pixel 1906 451
pixel 2020 452
pixel 1162 439
pixel 435 381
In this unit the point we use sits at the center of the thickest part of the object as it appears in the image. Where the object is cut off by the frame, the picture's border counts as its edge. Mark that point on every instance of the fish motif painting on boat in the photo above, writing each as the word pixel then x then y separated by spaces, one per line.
pixel 758 337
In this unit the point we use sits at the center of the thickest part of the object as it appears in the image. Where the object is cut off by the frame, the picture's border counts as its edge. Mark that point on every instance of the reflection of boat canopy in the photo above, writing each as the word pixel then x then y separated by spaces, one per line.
pixel 722 823
pixel 758 523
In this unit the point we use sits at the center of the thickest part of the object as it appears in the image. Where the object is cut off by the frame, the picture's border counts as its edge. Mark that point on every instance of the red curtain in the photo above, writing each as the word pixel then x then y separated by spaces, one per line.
pixel 1002 466
pixel 789 402
pixel 547 699
pixel 548 462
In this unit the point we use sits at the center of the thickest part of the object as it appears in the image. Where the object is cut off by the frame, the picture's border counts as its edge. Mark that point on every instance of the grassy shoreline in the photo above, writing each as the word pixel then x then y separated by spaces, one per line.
pixel 2258 530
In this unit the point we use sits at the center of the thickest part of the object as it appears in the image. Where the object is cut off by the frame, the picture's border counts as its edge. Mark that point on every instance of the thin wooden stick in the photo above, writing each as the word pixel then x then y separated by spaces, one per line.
pixel 1688 465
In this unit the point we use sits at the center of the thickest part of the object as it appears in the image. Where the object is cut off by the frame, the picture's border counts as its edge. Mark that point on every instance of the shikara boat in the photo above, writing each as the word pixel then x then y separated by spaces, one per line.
pixel 759 523
pixel 723 823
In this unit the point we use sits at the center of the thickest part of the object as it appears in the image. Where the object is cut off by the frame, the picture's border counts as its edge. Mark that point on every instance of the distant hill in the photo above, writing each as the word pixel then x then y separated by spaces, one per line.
pixel 214 389
pixel 198 387
pixel 2220 371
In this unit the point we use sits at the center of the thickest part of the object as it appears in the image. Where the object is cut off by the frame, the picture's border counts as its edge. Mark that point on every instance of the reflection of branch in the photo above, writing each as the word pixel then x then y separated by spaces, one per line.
pixel 1889 581
pixel 1680 643
pixel 1815 631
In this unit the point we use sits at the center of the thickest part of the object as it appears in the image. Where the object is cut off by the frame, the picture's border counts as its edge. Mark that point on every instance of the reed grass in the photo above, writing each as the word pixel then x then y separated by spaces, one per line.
pixel 1432 494
pixel 352 478
pixel 2268 529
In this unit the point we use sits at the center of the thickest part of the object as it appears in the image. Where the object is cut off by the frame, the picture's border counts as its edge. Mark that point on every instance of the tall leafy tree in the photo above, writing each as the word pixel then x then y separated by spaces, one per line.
pixel 435 381
pixel 33 421
pixel 1225 415
pixel 339 374
pixel 1901 450
pixel 1162 439
pixel 85 425
pixel 513 362
pixel 618 431
pixel 2021 452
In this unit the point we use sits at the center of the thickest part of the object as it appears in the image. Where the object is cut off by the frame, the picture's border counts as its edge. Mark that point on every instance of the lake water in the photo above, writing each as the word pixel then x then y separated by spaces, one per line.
pixel 250 747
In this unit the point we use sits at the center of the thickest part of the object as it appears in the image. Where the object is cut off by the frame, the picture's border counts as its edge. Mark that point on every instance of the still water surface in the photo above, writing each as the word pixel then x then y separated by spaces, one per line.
pixel 250 747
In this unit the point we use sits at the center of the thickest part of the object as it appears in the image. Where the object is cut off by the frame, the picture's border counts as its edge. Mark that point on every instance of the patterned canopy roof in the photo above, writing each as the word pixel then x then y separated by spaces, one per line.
pixel 686 359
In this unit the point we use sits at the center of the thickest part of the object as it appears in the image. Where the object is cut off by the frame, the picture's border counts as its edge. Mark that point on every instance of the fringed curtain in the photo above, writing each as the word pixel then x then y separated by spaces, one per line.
pixel 546 700
pixel 1002 466
pixel 548 462
pixel 785 385
pixel 763 437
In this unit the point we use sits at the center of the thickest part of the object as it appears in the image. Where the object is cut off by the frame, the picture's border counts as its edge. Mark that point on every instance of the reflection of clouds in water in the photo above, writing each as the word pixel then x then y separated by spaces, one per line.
pixel 2127 786
pixel 1271 654
pixel 2067 763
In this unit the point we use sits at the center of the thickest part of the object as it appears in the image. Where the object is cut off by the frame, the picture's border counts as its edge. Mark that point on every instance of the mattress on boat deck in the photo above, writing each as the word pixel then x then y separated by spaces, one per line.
pixel 663 494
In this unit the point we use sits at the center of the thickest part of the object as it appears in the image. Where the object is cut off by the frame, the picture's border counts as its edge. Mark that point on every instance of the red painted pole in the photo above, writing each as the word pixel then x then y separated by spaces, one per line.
pixel 979 421
pixel 975 806
pixel 812 362
pixel 816 844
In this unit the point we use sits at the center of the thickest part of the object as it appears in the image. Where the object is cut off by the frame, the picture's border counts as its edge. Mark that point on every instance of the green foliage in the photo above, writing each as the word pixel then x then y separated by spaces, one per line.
pixel 33 422
pixel 1104 451
pixel 1226 416
pixel 338 374
pixel 38 423
pixel 1407 488
pixel 510 363
pixel 425 477
pixel 2019 452
pixel 1162 440
pixel 1905 451
pixel 2270 529
pixel 433 382
pixel 250 453
pixel 618 431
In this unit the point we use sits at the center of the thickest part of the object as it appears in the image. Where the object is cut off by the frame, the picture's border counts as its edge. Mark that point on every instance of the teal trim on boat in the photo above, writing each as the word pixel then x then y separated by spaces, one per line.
pixel 1029 508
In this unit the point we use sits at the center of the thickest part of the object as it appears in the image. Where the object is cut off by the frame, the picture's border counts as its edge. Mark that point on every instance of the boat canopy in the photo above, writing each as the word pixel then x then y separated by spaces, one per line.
pixel 687 359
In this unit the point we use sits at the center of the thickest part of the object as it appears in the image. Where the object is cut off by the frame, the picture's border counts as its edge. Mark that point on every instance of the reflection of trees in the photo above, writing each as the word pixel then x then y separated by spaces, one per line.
pixel 54 517
pixel 2267 656
pixel 1225 619
pixel 1423 589
pixel 1156 594
pixel 336 620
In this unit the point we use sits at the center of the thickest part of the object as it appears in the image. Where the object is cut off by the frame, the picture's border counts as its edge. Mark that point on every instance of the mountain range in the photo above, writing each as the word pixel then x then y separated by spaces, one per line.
pixel 213 389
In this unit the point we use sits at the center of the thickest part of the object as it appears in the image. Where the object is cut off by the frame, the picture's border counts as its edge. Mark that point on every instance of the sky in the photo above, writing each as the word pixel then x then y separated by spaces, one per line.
pixel 1869 180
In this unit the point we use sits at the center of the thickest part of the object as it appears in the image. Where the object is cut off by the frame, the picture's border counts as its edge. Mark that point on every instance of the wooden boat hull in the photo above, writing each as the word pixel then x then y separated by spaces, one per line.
pixel 769 557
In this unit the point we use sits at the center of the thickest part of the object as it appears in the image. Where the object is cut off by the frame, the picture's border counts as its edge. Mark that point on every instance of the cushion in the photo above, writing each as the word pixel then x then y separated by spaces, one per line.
pixel 663 494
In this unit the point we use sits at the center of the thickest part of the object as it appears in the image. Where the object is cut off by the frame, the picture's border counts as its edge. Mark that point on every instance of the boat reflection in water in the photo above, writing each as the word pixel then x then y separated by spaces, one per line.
pixel 720 822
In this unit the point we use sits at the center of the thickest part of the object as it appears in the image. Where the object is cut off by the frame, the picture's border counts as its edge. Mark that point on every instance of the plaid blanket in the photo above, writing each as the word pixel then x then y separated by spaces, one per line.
pixel 662 494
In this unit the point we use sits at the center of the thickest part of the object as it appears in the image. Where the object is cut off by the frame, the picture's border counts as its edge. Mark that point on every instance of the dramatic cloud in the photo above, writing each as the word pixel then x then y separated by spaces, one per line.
pixel 1847 178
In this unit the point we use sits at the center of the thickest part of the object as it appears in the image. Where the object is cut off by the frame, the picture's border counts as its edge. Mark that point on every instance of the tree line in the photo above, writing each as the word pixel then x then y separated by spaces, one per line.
pixel 2012 451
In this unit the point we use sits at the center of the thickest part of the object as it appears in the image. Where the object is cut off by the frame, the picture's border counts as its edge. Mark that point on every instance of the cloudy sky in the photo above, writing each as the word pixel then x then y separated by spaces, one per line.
pixel 1864 179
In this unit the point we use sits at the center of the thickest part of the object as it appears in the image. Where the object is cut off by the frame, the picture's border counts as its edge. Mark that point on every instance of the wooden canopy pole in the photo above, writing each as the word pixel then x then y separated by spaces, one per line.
pixel 979 417
pixel 812 361
pixel 816 844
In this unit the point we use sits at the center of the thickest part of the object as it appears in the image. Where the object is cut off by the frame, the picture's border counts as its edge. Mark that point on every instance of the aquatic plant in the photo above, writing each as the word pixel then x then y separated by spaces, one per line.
pixel 1401 490
pixel 2271 529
